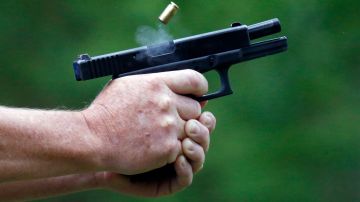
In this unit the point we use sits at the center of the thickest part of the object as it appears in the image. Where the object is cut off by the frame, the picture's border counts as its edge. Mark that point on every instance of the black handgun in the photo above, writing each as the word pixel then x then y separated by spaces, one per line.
pixel 216 50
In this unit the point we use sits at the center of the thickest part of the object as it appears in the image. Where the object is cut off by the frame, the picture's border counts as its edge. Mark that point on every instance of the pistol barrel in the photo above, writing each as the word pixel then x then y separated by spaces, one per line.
pixel 264 28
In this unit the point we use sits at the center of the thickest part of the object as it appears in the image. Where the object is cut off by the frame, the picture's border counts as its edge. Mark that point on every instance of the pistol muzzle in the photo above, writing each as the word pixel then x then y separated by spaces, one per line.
pixel 264 28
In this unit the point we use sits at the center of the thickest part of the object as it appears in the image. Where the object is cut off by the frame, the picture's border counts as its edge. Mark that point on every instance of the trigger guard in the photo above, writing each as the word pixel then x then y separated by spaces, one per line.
pixel 225 88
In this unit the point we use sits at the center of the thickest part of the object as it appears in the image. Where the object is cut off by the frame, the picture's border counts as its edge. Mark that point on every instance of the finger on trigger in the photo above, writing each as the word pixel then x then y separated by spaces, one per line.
pixel 186 82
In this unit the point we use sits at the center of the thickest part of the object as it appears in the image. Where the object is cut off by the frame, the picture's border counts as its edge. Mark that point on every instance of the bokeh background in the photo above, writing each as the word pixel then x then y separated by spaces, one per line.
pixel 290 132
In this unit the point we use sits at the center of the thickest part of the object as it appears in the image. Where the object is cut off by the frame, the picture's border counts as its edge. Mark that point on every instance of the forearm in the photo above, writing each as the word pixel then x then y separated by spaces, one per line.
pixel 42 188
pixel 39 143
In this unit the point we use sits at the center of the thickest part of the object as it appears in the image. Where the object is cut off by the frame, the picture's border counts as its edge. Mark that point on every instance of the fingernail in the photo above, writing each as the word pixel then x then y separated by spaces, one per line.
pixel 194 128
pixel 208 120
pixel 188 145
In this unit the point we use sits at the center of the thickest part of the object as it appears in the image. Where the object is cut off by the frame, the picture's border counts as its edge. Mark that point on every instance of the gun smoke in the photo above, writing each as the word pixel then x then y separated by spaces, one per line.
pixel 157 40
pixel 146 35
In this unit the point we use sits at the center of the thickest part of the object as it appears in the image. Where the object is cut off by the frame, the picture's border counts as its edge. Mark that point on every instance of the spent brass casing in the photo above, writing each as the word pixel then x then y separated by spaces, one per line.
pixel 168 13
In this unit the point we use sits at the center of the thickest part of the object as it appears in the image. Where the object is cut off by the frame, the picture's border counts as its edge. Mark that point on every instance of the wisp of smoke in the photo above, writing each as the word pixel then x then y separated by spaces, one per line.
pixel 146 35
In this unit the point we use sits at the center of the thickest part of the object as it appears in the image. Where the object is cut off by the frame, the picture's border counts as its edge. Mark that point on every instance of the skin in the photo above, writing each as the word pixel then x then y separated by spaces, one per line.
pixel 136 126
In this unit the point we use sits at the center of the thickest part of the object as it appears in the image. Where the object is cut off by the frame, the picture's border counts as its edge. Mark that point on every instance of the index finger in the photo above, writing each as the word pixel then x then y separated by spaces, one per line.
pixel 185 82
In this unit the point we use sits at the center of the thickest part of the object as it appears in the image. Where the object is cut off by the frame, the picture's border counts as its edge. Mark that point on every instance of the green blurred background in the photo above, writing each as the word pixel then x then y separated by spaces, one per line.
pixel 290 132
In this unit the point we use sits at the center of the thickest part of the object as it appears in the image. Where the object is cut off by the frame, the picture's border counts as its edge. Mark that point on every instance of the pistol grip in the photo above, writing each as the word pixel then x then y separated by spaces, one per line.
pixel 225 88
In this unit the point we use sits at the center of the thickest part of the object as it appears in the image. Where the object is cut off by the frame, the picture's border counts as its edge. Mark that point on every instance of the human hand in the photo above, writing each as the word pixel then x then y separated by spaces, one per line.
pixel 173 177
pixel 139 120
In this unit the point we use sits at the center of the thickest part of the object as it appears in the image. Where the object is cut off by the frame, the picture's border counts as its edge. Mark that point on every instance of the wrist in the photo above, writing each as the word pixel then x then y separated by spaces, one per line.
pixel 91 144
pixel 99 130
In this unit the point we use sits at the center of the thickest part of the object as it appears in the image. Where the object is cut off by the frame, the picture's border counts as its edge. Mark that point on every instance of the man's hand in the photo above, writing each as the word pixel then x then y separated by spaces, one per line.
pixel 140 121
pixel 137 124
pixel 153 184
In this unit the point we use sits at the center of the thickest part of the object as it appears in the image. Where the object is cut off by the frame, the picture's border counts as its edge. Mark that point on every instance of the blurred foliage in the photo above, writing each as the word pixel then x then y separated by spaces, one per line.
pixel 289 133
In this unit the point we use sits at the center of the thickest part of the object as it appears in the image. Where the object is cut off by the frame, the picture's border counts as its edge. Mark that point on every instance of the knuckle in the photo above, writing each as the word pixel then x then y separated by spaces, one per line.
pixel 168 123
pixel 171 145
pixel 165 103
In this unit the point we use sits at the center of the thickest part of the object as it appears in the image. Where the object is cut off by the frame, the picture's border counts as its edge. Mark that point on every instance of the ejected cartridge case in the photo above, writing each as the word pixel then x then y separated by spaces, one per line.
pixel 168 13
